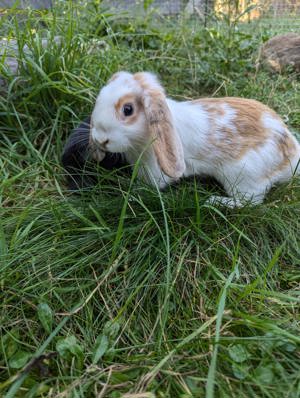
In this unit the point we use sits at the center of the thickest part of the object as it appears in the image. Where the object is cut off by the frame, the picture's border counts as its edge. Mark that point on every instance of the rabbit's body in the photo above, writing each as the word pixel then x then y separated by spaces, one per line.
pixel 240 142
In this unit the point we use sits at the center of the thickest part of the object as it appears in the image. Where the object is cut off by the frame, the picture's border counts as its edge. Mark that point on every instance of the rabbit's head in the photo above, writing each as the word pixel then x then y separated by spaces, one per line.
pixel 130 113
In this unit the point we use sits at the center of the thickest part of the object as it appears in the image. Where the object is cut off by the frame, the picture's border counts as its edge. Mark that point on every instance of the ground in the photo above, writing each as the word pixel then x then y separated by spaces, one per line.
pixel 120 290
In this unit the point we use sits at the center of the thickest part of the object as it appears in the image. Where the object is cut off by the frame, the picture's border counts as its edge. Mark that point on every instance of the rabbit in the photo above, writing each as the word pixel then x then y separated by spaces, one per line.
pixel 77 152
pixel 240 142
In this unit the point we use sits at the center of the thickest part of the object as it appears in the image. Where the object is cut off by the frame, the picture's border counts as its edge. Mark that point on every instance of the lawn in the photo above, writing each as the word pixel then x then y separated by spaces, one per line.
pixel 121 290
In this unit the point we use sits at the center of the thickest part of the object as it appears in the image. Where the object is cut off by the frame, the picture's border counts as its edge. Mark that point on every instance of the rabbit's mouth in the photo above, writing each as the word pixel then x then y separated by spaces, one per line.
pixel 95 144
pixel 97 151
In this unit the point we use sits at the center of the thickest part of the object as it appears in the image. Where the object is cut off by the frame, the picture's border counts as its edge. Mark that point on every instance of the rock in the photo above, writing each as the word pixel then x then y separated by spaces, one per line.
pixel 281 52
pixel 9 52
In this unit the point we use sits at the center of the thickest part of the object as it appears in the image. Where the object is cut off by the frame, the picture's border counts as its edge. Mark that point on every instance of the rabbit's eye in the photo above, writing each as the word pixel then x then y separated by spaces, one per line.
pixel 128 109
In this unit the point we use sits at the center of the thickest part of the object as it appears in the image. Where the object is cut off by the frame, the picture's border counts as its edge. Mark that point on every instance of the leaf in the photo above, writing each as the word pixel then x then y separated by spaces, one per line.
pixel 64 346
pixel 111 329
pixel 264 374
pixel 278 369
pixel 69 348
pixel 19 359
pixel 238 353
pixel 9 343
pixel 240 370
pixel 102 344
pixel 289 347
pixel 45 315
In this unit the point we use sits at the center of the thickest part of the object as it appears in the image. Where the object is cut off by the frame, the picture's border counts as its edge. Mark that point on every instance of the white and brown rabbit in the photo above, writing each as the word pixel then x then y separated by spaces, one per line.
pixel 240 142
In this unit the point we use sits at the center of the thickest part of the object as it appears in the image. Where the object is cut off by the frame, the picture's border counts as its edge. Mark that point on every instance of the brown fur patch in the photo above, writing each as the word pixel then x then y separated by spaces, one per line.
pixel 142 80
pixel 128 99
pixel 210 106
pixel 286 146
pixel 248 131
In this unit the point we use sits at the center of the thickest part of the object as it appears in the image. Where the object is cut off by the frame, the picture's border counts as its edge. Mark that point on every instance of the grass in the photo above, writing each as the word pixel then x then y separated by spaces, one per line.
pixel 120 290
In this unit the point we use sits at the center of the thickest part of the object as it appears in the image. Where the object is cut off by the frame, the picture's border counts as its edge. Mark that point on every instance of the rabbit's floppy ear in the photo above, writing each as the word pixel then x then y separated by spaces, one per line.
pixel 166 141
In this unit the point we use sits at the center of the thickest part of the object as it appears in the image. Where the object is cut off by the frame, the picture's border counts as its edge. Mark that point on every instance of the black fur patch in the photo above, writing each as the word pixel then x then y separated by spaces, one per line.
pixel 77 161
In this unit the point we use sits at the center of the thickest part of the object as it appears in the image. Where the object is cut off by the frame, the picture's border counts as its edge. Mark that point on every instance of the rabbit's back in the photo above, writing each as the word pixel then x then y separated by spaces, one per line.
pixel 242 128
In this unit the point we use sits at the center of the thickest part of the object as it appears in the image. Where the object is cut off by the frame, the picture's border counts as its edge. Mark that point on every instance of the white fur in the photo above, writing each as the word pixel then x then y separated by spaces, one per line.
pixel 273 124
pixel 245 180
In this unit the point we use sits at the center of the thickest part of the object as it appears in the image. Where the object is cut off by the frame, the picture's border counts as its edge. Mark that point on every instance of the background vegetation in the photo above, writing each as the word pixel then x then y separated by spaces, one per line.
pixel 120 290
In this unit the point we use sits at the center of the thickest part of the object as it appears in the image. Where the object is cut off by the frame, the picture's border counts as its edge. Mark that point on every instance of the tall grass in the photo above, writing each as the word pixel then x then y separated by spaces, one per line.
pixel 120 290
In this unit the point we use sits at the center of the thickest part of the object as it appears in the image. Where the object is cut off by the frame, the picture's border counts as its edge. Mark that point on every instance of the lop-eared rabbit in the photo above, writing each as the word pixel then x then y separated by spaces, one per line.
pixel 240 142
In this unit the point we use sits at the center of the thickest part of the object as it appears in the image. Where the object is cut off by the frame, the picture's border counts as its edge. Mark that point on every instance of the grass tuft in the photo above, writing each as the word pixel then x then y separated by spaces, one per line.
pixel 120 290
